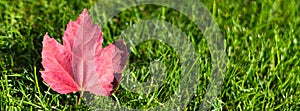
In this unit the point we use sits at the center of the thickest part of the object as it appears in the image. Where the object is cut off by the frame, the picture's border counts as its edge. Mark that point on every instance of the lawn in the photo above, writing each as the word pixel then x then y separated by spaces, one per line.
pixel 260 43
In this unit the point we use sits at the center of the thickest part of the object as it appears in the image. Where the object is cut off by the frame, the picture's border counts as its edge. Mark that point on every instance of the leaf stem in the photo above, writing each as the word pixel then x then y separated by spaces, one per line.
pixel 81 94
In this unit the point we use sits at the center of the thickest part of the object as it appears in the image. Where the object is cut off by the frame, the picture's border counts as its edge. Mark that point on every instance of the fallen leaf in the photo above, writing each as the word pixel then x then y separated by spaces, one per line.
pixel 81 64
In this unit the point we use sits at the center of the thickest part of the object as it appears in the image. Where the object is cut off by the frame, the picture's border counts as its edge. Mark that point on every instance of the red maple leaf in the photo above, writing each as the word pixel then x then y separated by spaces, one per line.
pixel 80 64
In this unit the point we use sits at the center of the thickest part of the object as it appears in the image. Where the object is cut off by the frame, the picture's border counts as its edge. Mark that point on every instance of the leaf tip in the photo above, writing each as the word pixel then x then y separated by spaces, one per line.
pixel 84 11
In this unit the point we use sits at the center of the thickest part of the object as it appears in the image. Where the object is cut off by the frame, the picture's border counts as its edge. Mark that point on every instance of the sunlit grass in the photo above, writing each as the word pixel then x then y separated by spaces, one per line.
pixel 261 41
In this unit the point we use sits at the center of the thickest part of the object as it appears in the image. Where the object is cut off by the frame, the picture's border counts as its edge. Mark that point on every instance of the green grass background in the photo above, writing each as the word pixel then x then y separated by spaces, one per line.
pixel 261 41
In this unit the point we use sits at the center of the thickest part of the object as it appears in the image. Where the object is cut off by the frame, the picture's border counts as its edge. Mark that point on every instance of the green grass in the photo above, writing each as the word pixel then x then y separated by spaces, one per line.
pixel 261 41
